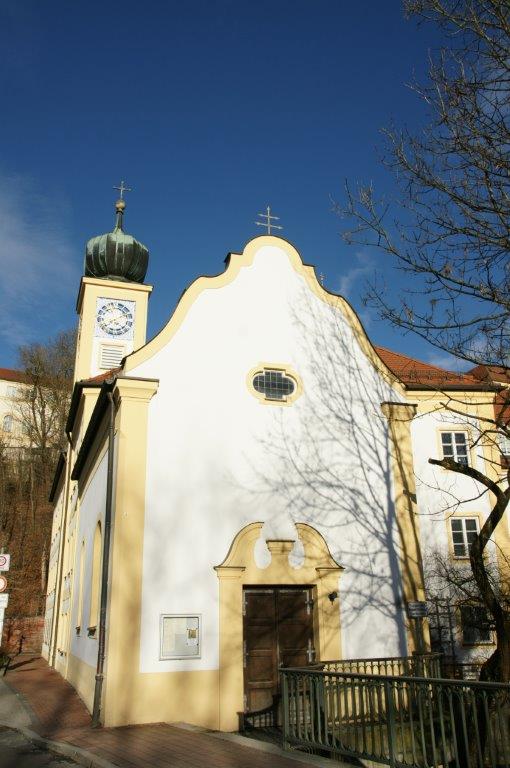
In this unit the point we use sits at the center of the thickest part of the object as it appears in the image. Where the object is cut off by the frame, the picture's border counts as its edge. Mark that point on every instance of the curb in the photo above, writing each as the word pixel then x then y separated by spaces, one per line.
pixel 80 756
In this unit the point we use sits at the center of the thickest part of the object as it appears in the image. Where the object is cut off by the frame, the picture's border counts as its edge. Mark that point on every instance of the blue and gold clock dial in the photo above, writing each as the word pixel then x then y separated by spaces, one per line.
pixel 115 318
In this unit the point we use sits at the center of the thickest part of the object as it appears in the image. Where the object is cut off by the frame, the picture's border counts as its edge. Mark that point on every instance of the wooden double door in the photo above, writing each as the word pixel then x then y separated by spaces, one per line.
pixel 277 632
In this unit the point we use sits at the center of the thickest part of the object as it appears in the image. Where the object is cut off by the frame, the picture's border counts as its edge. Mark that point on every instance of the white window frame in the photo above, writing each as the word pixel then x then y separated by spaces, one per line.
pixel 504 444
pixel 455 455
pixel 464 532
pixel 183 657
pixel 7 423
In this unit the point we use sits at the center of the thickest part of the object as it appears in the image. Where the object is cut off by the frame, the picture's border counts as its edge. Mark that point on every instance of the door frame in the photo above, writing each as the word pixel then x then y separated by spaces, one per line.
pixel 319 571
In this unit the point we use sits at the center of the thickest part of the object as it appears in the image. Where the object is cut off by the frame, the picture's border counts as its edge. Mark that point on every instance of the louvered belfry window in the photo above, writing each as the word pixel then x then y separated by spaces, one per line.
pixel 111 355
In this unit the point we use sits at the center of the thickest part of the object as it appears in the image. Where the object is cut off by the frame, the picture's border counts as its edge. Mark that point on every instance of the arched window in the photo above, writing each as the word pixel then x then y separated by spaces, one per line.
pixel 95 586
pixel 79 612
pixel 7 423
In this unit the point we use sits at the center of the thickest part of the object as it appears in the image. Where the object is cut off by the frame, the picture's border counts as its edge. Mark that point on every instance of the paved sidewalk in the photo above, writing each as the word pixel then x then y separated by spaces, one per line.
pixel 34 696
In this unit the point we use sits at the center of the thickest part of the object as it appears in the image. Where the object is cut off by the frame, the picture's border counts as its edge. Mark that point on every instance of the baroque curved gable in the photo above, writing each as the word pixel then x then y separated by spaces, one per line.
pixel 235 263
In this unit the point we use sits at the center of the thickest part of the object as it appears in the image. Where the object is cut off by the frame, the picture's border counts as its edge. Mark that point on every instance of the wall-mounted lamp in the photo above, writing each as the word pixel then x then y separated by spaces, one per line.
pixel 333 596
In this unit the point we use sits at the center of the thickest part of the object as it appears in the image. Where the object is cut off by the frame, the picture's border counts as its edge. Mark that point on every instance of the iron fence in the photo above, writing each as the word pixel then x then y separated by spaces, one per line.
pixel 461 670
pixel 401 721
pixel 424 665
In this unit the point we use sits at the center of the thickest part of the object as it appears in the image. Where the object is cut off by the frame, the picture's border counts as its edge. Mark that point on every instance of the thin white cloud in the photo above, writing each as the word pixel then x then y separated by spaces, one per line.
pixel 37 262
pixel 363 265
pixel 449 362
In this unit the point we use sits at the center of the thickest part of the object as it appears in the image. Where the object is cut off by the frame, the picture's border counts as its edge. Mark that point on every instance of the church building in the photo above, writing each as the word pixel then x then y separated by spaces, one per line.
pixel 249 489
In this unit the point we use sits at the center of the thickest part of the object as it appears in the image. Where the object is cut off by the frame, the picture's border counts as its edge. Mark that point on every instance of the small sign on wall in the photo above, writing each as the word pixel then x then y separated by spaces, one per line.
pixel 180 636
pixel 417 609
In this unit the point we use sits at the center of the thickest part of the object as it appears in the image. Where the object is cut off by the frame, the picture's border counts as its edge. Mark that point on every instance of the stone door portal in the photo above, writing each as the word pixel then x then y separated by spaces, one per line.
pixel 277 632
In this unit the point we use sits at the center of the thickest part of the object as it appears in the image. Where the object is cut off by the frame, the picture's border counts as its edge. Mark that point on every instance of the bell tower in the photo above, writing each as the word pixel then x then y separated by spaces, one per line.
pixel 112 300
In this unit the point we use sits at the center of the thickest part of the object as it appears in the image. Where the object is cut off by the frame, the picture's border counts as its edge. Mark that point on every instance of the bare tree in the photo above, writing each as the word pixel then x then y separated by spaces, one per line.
pixel 27 466
pixel 452 589
pixel 448 231
pixel 42 404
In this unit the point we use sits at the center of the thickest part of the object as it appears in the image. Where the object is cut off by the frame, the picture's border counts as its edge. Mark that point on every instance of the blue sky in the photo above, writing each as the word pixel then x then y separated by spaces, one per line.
pixel 210 110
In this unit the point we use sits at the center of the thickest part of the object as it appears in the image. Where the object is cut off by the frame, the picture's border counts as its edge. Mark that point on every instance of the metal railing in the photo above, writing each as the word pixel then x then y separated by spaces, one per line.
pixel 424 665
pixel 461 670
pixel 401 721
pixel 260 718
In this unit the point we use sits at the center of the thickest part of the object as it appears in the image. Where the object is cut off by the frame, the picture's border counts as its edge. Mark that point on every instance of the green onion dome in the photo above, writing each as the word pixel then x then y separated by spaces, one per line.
pixel 116 255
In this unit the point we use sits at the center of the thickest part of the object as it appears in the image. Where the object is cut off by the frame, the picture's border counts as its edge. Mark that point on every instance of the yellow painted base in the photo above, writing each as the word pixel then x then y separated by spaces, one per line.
pixel 83 679
pixel 191 697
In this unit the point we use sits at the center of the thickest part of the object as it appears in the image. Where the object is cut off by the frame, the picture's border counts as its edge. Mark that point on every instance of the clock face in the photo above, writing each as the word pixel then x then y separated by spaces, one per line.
pixel 115 318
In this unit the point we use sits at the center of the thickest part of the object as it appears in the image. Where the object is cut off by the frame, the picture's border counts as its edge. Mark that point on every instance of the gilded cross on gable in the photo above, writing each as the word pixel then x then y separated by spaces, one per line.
pixel 123 189
pixel 268 219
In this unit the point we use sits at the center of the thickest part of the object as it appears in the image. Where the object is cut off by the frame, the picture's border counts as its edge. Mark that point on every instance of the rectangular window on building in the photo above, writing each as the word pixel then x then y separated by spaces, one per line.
pixel 455 446
pixel 475 624
pixel 12 391
pixel 504 447
pixel 464 531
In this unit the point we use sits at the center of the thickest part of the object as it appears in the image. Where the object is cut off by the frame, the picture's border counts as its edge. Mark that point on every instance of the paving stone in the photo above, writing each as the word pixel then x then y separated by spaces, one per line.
pixel 57 713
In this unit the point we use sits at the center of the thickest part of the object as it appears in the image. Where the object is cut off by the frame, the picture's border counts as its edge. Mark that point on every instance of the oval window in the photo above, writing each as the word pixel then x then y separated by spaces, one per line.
pixel 274 385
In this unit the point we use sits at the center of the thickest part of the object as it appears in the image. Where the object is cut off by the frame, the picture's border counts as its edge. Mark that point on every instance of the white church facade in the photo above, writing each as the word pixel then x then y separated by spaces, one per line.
pixel 248 489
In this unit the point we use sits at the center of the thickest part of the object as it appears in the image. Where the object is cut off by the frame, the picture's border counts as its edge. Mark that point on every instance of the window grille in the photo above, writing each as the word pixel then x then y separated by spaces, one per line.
pixel 464 532
pixel 275 385
pixel 454 446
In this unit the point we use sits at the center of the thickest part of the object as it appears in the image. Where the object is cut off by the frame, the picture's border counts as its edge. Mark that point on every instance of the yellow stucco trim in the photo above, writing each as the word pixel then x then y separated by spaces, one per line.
pixel 132 397
pixel 400 416
pixel 236 262
pixel 149 697
pixel 239 569
pixel 162 696
pixel 82 677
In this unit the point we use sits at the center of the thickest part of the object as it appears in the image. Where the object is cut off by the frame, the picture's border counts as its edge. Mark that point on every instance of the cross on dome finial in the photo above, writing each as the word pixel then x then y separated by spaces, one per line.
pixel 268 218
pixel 123 189
pixel 120 205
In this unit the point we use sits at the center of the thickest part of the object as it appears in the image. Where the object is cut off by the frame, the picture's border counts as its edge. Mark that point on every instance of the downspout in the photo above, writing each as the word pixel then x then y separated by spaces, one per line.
pixel 104 571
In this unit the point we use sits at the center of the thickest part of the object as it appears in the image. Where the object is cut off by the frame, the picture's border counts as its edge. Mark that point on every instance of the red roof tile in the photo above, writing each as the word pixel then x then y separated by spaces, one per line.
pixel 415 372
pixel 9 374
pixel 102 376
pixel 491 373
